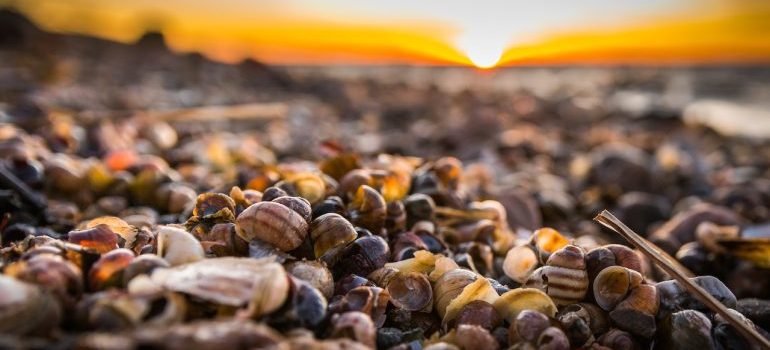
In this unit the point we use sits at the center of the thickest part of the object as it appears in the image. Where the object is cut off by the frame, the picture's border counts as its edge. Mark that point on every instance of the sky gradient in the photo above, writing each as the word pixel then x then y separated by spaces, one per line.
pixel 453 32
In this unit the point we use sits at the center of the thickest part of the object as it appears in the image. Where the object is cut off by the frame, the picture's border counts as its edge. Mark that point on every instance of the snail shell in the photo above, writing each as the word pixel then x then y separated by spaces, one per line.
pixel 329 231
pixel 100 237
pixel 26 309
pixel 449 286
pixel 411 291
pixel 105 272
pixel 613 284
pixel 298 204
pixel 527 326
pixel 510 304
pixel 564 278
pixel 273 223
pixel 354 325
pixel 519 263
pixel 368 209
pixel 546 241
pixel 314 272
pixel 178 246
pixel 479 313
pixel 52 272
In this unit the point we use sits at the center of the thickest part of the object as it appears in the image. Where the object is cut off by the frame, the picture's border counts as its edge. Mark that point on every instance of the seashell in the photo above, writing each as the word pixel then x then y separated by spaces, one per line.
pixel 382 276
pixel 175 198
pixel 271 193
pixel 564 278
pixel 510 304
pixel 576 323
pixel 298 204
pixel 143 265
pixel 419 207
pixel 355 325
pixel 410 291
pixel 449 286
pixel 107 271
pixel 313 272
pixel 330 231
pixel 546 241
pixel 613 284
pixel 553 338
pixel 100 237
pixel 273 223
pixel 527 326
pixel 727 337
pixel 423 262
pixel 306 307
pixel 331 204
pixel 441 265
pixel 681 228
pixel 178 246
pixel 368 209
pixel 479 313
pixel 372 301
pixel 674 297
pixel 51 272
pixel 244 198
pixel 261 284
pixel 481 256
pixel 306 185
pixel 115 311
pixel 26 309
pixel 686 329
pixel 347 283
pixel 441 346
pixel 519 263
pixel 362 256
pixel 617 339
pixel 470 336
pixel 395 218
pixel 208 205
pixel 117 225
pixel 405 244
pixel 636 313
pixel 625 256
pixel 480 289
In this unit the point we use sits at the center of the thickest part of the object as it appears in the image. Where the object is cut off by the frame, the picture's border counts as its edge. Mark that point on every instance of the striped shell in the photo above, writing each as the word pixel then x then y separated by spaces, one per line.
pixel 273 223
pixel 564 277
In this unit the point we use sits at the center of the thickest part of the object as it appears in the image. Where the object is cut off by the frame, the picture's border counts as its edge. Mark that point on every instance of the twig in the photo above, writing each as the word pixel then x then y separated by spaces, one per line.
pixel 9 180
pixel 610 221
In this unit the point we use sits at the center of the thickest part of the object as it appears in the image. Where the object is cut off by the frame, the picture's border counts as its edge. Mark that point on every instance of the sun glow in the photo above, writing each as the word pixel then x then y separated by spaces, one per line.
pixel 483 50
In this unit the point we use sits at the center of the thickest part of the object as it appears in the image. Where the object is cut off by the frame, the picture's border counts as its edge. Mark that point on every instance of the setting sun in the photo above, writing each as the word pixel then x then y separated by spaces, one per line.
pixel 483 54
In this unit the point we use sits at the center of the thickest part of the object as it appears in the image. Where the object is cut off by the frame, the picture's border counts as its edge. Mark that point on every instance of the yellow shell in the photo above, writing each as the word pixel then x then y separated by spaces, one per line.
pixel 514 301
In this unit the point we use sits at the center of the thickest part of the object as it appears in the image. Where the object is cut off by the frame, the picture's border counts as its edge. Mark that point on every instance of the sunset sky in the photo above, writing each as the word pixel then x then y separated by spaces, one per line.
pixel 454 32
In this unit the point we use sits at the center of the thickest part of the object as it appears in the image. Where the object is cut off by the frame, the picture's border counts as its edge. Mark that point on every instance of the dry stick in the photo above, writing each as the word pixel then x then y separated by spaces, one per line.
pixel 610 221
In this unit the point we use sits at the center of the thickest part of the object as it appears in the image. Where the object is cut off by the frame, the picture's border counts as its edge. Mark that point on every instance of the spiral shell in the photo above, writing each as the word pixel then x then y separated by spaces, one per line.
pixel 519 263
pixel 105 271
pixel 511 303
pixel 330 231
pixel 411 291
pixel 564 278
pixel 178 246
pixel 273 223
pixel 354 325
pixel 368 209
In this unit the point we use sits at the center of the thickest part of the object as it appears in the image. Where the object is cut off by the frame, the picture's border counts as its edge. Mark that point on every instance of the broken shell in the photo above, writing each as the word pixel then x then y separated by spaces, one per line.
pixel 423 262
pixel 209 204
pixel 273 223
pixel 260 283
pixel 368 209
pixel 178 246
pixel 354 325
pixel 330 231
pixel 519 263
pixel 372 301
pixel 625 256
pixel 142 265
pixel 410 291
pixel 100 237
pixel 405 244
pixel 314 272
pixel 117 225
pixel 510 304
pixel 613 284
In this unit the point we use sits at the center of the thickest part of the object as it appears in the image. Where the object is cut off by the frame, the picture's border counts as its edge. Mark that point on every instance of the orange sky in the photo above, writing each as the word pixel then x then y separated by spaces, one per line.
pixel 454 32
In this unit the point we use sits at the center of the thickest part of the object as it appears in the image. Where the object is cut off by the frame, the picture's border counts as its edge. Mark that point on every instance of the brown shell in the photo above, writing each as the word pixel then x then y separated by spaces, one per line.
pixel 329 231
pixel 368 209
pixel 100 237
pixel 104 273
pixel 273 223
pixel 410 291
